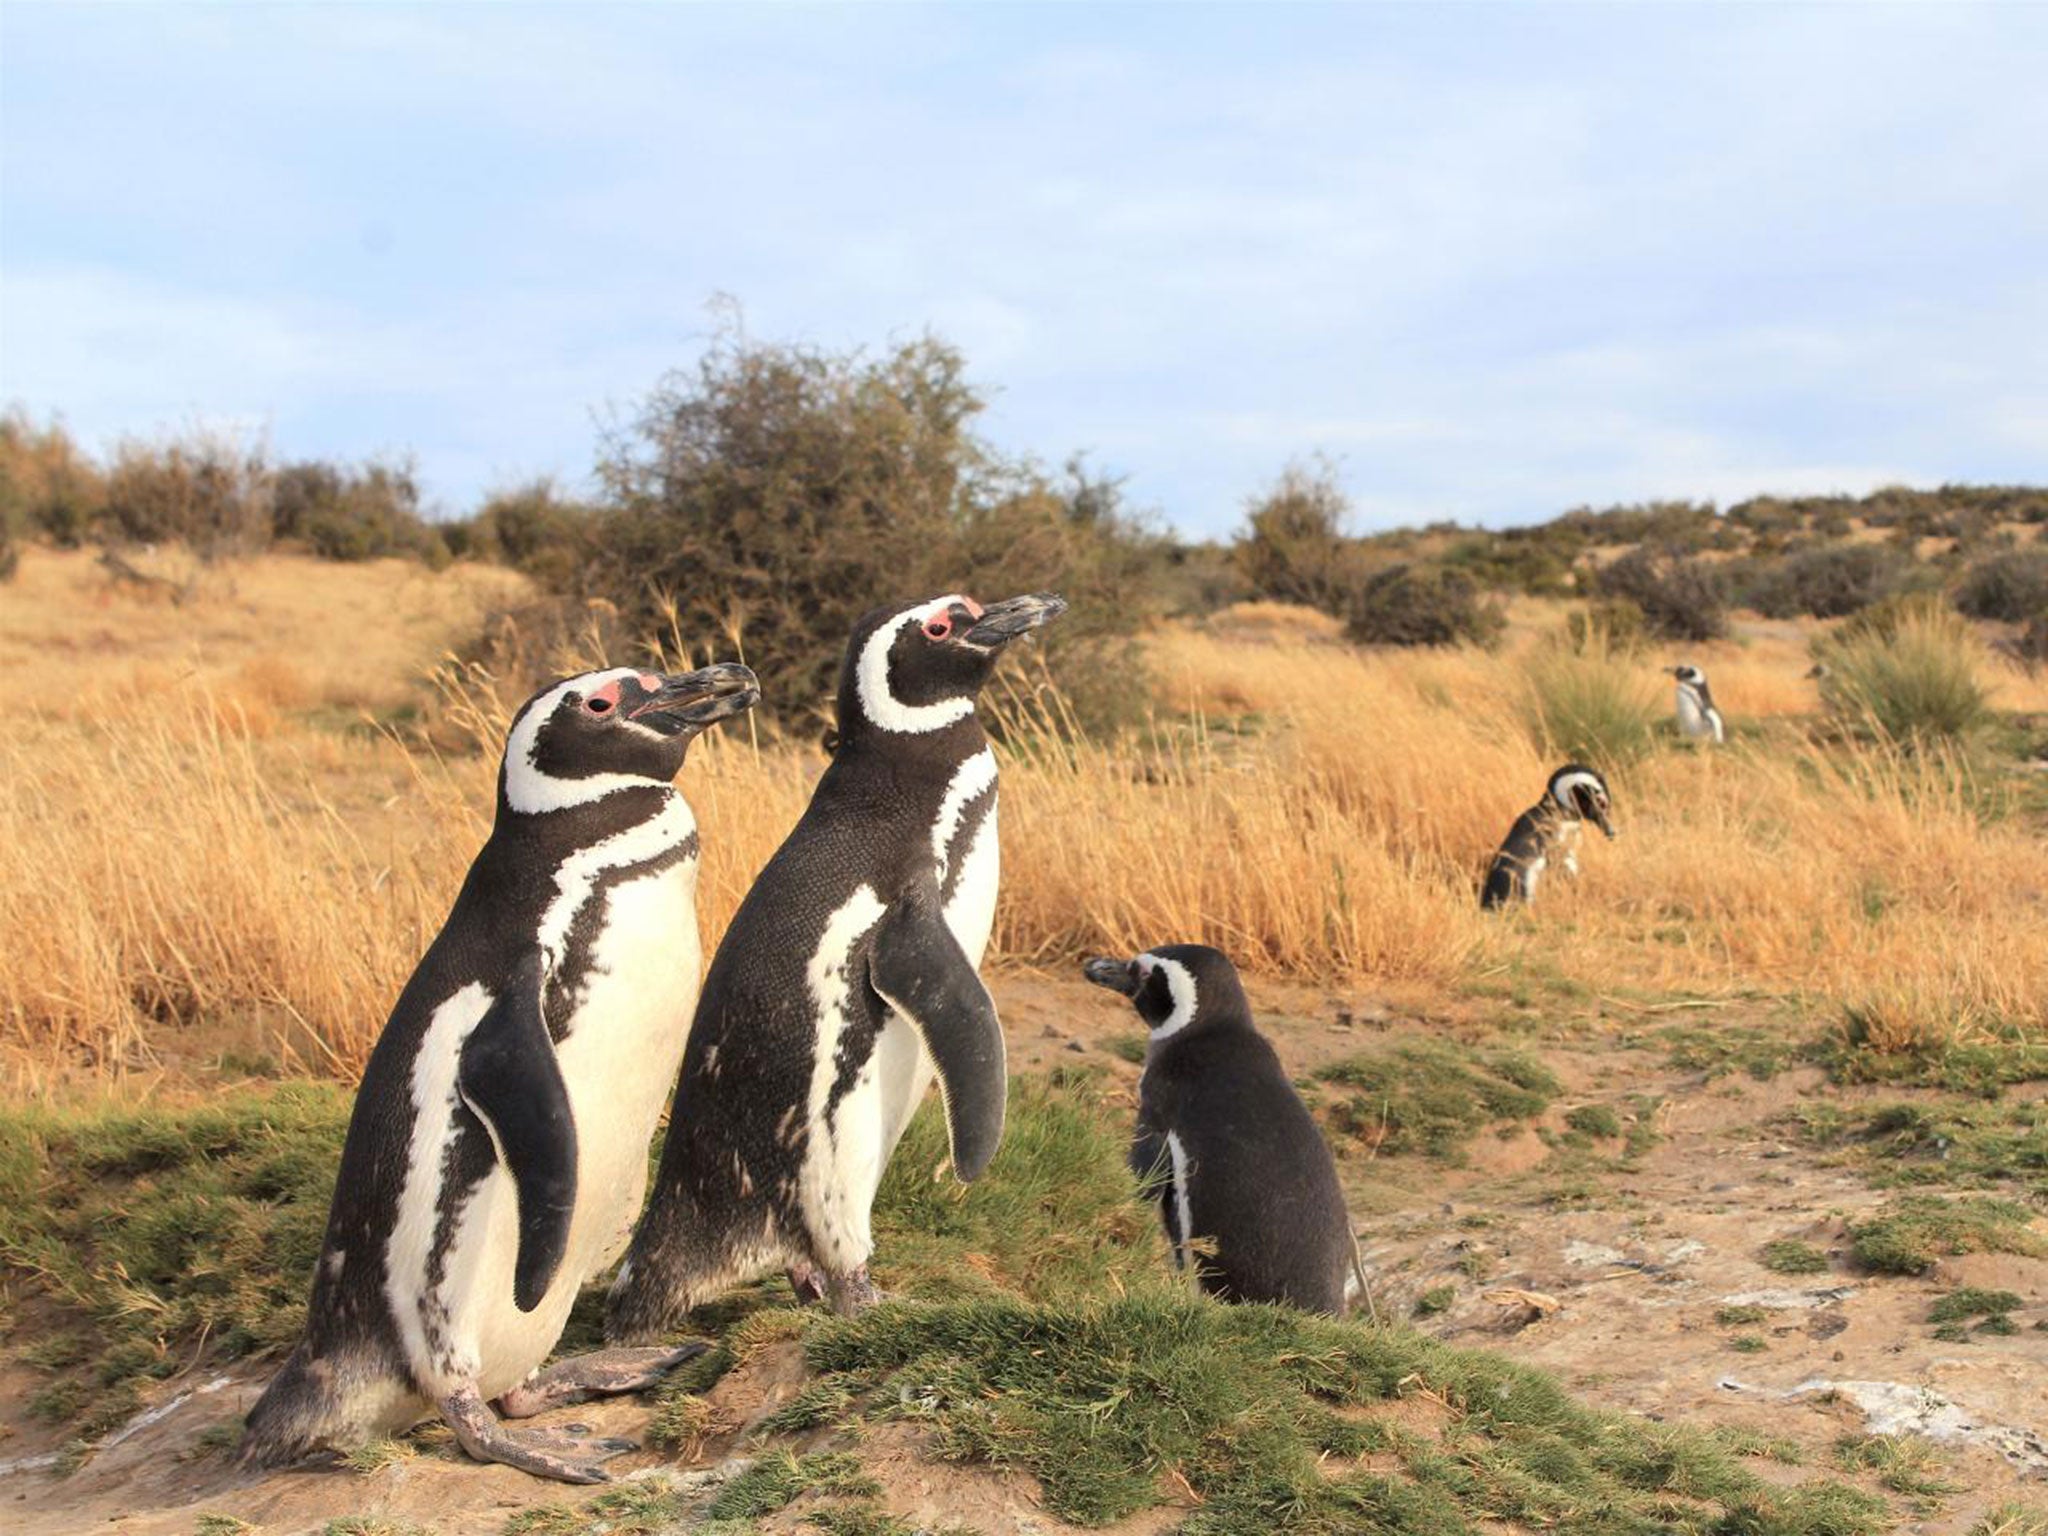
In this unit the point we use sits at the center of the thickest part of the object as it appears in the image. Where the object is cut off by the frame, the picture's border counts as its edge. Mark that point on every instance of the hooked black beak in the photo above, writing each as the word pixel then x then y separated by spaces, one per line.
pixel 1005 621
pixel 1119 976
pixel 1596 813
pixel 693 700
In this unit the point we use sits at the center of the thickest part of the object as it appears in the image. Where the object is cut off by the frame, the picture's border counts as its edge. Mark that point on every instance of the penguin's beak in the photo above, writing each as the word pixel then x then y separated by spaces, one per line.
pixel 1003 622
pixel 689 701
pixel 1119 976
pixel 1597 813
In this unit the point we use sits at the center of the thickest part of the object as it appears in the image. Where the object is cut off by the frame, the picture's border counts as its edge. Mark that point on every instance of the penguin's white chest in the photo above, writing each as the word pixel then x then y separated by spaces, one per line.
pixel 1694 718
pixel 618 1056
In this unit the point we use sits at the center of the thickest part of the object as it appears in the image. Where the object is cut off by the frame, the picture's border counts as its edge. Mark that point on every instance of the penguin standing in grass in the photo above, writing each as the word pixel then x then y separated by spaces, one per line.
pixel 847 978
pixel 1247 1188
pixel 498 1149
pixel 1698 719
pixel 1548 833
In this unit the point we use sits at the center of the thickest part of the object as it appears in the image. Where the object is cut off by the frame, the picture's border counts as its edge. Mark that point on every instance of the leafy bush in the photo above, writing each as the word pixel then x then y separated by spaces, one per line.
pixel 776 493
pixel 353 513
pixel 2012 587
pixel 532 528
pixel 1421 605
pixel 1293 548
pixel 205 491
pixel 1680 598
pixel 48 487
pixel 1827 583
pixel 1907 670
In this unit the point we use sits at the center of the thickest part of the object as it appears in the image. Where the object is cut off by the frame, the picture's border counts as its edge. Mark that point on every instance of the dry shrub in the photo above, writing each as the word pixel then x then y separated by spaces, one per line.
pixel 1912 674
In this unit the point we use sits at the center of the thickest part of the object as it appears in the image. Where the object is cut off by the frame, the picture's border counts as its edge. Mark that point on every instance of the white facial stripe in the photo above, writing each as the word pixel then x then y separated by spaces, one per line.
pixel 529 790
pixel 970 779
pixel 1180 984
pixel 871 679
pixel 1566 787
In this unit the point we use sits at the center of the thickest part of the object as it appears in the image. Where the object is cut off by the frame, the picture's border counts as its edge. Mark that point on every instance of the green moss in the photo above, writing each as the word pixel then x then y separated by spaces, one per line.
pixel 1910 1235
pixel 1761 1053
pixel 1131 1048
pixel 1736 1317
pixel 1433 1097
pixel 633 1509
pixel 1789 1256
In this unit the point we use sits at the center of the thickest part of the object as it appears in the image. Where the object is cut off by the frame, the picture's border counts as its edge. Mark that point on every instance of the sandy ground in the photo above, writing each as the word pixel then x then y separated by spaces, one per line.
pixel 1636 1274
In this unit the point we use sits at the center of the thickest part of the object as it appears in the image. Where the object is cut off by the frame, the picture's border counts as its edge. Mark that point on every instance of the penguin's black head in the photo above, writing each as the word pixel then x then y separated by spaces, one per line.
pixel 586 736
pixel 1690 675
pixel 1175 986
pixel 1581 793
pixel 918 667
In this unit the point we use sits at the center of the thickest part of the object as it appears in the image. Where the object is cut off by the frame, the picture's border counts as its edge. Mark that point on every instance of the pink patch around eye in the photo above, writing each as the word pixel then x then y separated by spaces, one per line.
pixel 609 692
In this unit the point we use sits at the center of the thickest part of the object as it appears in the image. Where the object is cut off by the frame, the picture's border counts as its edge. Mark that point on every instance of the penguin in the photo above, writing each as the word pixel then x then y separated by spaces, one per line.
pixel 846 979
pixel 497 1151
pixel 1548 832
pixel 1698 719
pixel 1246 1185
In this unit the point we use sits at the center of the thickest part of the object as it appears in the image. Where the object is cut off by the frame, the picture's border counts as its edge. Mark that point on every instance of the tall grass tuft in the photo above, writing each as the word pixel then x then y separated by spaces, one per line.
pixel 1912 677
pixel 1590 700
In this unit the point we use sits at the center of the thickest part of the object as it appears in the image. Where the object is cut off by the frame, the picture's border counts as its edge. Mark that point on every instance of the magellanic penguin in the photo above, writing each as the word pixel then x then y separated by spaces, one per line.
pixel 1548 833
pixel 498 1149
pixel 1246 1185
pixel 847 975
pixel 1698 719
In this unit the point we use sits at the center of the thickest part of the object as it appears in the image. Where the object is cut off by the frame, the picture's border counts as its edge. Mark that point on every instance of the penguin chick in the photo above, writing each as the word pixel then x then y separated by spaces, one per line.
pixel 498 1147
pixel 1698 719
pixel 1547 833
pixel 1247 1188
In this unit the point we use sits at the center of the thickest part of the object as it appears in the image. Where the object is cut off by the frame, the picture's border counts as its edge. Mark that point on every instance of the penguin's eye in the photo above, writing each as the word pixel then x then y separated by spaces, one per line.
pixel 940 627
pixel 599 706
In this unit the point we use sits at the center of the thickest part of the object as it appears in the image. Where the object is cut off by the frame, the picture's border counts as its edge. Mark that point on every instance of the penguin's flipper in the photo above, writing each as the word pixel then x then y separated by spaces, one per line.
pixel 511 1081
pixel 920 970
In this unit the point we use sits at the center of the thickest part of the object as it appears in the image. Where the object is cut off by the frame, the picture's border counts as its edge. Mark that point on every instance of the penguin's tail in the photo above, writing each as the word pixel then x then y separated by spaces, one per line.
pixel 300 1413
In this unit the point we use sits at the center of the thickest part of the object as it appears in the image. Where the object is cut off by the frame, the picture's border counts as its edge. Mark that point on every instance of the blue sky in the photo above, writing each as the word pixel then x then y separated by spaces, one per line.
pixel 1494 262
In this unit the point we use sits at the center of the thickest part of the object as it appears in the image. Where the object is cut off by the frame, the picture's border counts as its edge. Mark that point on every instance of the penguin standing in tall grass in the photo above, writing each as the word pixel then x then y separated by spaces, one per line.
pixel 847 980
pixel 498 1149
pixel 1548 833
pixel 1698 719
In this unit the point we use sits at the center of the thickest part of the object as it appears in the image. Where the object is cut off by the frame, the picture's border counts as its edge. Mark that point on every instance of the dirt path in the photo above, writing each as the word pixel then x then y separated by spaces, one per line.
pixel 1636 1262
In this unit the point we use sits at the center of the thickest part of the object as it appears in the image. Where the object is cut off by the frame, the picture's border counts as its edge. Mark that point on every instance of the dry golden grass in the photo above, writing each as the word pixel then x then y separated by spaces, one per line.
pixel 205 846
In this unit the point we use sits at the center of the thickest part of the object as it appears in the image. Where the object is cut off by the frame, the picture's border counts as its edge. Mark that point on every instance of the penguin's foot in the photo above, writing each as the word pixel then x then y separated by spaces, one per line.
pixel 850 1292
pixel 807 1281
pixel 561 1454
pixel 601 1373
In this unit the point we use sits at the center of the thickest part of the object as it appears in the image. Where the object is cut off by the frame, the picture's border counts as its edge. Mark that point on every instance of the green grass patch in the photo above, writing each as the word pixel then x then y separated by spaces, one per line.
pixel 1054 1217
pixel 635 1509
pixel 1972 1302
pixel 1758 1052
pixel 1910 1235
pixel 163 1226
pixel 1990 1057
pixel 1789 1256
pixel 1109 1404
pixel 1740 1316
pixel 1437 1298
pixel 1998 1144
pixel 776 1480
pixel 1598 1120
pixel 1903 1463
pixel 1433 1097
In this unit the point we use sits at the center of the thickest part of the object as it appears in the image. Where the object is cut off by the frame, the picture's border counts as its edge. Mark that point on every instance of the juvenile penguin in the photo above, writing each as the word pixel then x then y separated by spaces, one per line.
pixel 498 1148
pixel 1548 833
pixel 1246 1184
pixel 1698 719
pixel 848 975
